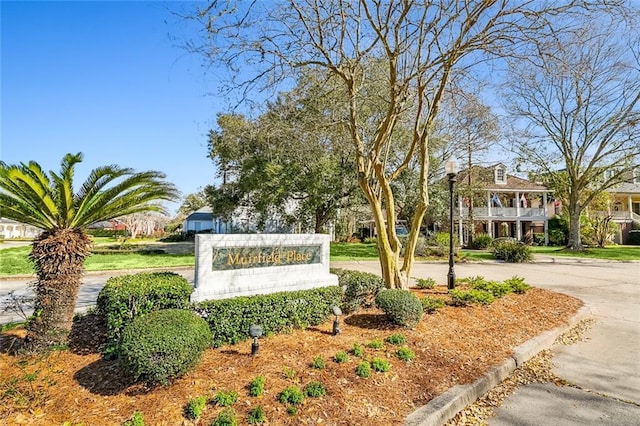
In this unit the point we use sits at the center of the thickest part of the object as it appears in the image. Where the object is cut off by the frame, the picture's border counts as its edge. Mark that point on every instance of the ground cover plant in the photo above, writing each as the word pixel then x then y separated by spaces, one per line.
pixel 455 345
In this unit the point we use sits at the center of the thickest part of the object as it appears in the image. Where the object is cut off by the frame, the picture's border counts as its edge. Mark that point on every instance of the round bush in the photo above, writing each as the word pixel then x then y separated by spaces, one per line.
pixel 401 306
pixel 163 345
pixel 511 250
pixel 481 242
pixel 360 288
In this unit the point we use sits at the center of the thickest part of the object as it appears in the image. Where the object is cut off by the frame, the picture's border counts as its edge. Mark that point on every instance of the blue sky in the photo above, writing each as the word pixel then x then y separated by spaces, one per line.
pixel 107 79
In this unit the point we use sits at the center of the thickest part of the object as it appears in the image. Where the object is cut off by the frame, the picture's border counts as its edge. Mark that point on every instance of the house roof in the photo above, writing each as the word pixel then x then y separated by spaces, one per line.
pixel 625 188
pixel 204 213
pixel 484 177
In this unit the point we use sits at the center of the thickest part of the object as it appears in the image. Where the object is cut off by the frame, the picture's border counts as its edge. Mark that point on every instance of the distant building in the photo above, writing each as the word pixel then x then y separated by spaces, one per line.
pixel 11 229
pixel 625 209
pixel 510 206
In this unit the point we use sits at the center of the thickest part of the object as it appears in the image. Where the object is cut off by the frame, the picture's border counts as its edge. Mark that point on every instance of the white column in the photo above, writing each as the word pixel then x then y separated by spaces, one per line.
pixel 518 229
pixel 518 205
pixel 546 220
pixel 630 204
pixel 488 203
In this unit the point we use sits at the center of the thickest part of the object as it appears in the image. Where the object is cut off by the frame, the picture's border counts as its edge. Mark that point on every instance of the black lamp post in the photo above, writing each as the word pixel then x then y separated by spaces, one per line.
pixel 255 331
pixel 451 168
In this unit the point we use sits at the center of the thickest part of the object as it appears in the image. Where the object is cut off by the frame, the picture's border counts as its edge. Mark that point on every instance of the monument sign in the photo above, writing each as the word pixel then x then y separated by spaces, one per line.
pixel 230 265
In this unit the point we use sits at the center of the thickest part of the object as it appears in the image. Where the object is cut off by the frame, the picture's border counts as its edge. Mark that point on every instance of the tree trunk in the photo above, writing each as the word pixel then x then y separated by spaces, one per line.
pixel 59 258
pixel 387 241
pixel 575 239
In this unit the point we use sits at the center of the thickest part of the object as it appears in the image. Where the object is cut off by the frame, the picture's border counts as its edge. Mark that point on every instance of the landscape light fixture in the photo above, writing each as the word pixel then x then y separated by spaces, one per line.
pixel 451 168
pixel 336 322
pixel 255 331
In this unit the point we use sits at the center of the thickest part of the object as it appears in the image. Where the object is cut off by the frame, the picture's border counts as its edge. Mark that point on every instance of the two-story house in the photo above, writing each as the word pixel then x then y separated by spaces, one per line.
pixel 501 205
pixel 625 207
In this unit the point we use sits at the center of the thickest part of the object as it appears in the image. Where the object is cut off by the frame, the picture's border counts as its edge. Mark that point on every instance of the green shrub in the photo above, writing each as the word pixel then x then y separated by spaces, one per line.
pixel 256 416
pixel 538 239
pixel 360 289
pixel 401 306
pixel 229 319
pixel 288 373
pixel 227 417
pixel 256 386
pixel 363 369
pixel 195 407
pixel 431 304
pixel 292 410
pixel 405 354
pixel 467 297
pixel 517 284
pixel 136 420
pixel 225 399
pixel 396 339
pixel 438 243
pixel 421 249
pixel 315 390
pixel 425 283
pixel 380 365
pixel 291 395
pixel 511 251
pixel 357 350
pixel 496 288
pixel 634 237
pixel 341 357
pixel 470 280
pixel 163 345
pixel 318 363
pixel 126 297
pixel 375 344
pixel 481 242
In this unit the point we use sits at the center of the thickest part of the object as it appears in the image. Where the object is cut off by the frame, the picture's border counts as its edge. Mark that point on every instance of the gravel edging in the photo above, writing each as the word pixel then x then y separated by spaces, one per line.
pixel 445 406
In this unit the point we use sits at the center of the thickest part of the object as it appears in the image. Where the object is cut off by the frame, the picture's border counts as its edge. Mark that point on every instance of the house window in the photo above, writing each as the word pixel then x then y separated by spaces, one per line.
pixel 500 175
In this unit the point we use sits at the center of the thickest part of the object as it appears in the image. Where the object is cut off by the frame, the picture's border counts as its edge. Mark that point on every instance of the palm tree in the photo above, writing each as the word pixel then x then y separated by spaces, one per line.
pixel 30 196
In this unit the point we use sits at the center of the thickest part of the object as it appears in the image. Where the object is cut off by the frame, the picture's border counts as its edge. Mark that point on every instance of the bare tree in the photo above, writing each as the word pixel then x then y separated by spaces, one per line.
pixel 579 98
pixel 422 48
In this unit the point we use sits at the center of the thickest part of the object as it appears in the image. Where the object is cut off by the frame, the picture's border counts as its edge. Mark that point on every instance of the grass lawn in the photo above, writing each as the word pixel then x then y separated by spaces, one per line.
pixel 353 251
pixel 607 253
pixel 15 260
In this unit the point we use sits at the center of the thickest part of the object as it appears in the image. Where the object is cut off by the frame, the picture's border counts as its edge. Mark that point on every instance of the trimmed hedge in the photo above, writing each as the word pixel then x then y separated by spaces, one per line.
pixel 126 297
pixel 401 306
pixel 360 288
pixel 163 345
pixel 229 319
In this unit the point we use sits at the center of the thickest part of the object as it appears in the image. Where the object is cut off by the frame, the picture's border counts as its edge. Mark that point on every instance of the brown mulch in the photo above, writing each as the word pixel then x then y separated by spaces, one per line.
pixel 453 346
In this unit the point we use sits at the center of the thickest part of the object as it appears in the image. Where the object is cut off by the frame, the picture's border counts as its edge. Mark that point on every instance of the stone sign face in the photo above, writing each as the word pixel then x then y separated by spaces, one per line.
pixel 224 258
pixel 230 265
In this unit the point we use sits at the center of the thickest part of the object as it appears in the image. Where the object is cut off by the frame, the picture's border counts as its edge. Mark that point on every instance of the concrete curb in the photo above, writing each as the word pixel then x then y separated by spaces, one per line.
pixel 445 406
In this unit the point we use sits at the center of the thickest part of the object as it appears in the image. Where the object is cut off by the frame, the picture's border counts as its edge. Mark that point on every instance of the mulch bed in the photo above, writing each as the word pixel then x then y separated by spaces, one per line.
pixel 455 345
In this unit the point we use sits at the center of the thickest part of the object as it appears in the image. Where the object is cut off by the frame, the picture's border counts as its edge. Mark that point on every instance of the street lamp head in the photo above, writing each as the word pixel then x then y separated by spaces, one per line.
pixel 451 166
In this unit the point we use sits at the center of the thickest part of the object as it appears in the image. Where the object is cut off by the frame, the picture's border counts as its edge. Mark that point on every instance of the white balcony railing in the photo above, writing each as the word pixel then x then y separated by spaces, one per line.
pixel 502 212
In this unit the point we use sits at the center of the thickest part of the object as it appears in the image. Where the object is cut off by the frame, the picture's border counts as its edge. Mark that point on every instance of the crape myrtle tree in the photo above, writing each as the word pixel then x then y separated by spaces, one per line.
pixel 423 48
pixel 291 162
pixel 579 100
pixel 52 203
